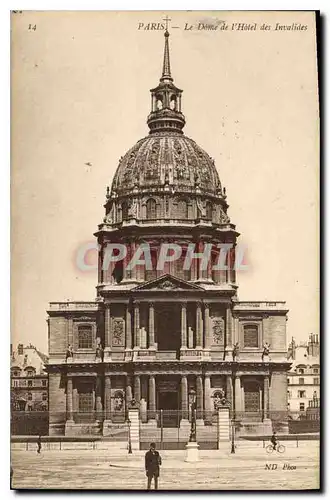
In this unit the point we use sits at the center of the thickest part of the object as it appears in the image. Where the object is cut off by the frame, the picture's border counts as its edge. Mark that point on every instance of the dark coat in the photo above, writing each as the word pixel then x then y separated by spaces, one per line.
pixel 152 462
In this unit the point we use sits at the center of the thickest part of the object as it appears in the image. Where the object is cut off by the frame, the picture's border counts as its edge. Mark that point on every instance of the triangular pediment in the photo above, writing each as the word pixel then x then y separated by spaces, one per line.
pixel 167 282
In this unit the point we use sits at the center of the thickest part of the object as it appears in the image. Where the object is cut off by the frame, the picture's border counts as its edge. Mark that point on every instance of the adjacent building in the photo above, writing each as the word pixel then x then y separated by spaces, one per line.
pixel 166 336
pixel 304 377
pixel 29 379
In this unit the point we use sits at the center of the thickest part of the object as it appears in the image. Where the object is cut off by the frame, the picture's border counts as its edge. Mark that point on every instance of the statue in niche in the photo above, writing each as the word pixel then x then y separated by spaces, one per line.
pixel 190 338
pixel 200 207
pixel 265 352
pixel 99 353
pixel 118 401
pixel 69 352
pixel 235 351
pixel 143 410
pixel 143 338
pixel 134 209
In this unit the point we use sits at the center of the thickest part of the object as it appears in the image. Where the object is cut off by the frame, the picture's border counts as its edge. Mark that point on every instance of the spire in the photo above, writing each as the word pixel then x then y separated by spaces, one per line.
pixel 166 75
pixel 166 99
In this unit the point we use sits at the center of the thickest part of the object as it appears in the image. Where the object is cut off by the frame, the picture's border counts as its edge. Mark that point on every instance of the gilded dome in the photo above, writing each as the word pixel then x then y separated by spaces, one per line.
pixel 166 158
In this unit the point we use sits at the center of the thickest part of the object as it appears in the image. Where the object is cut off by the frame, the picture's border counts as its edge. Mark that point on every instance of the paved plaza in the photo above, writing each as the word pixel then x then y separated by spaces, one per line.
pixel 114 469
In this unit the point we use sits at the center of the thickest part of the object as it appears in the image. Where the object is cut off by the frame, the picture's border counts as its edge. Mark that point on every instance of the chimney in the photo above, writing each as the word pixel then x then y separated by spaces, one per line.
pixel 20 349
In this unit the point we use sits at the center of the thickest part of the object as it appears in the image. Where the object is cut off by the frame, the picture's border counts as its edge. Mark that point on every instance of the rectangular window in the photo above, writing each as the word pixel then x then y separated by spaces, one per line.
pixel 316 381
pixel 315 370
pixel 301 371
pixel 301 394
pixel 29 383
pixel 301 381
pixel 44 396
pixel 302 406
pixel 251 336
pixel 288 381
pixel 44 383
pixel 85 337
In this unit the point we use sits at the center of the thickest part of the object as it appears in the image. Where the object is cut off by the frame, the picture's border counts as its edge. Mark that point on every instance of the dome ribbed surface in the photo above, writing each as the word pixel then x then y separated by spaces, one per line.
pixel 162 158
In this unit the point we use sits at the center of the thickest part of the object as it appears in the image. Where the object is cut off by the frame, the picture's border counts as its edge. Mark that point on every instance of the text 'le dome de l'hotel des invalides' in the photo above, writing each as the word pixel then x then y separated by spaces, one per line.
pixel 157 336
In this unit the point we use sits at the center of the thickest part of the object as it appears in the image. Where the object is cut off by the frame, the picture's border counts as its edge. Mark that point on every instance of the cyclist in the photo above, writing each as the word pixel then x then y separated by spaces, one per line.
pixel 274 440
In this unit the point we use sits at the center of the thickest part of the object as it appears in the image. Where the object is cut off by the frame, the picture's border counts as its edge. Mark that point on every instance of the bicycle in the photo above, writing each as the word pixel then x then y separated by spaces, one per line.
pixel 280 448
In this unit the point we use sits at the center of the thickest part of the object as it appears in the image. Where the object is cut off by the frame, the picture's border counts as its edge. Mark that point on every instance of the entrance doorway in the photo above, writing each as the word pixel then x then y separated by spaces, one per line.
pixel 252 399
pixel 168 402
pixel 168 327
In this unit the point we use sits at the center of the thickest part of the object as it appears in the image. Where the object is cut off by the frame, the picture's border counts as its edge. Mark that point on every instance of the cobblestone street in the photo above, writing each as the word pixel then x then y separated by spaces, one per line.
pixel 217 470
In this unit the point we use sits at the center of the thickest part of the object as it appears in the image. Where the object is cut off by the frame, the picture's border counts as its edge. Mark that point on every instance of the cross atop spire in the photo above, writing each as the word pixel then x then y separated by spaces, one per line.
pixel 166 75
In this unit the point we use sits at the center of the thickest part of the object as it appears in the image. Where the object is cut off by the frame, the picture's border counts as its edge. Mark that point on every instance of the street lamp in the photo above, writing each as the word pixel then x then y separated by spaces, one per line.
pixel 232 436
pixel 129 437
pixel 192 437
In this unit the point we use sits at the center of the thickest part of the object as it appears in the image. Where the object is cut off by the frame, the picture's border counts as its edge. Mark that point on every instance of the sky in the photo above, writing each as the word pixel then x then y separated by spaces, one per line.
pixel 80 98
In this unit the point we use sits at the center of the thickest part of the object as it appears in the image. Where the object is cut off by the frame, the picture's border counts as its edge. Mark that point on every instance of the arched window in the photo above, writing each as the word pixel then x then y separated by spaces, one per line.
pixel 182 210
pixel 85 337
pixel 159 102
pixel 151 209
pixel 173 102
pixel 15 372
pixel 209 210
pixel 124 210
pixel 251 336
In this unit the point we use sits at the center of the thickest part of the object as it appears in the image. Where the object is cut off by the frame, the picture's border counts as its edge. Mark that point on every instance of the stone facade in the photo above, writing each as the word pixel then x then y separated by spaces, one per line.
pixel 160 335
pixel 29 379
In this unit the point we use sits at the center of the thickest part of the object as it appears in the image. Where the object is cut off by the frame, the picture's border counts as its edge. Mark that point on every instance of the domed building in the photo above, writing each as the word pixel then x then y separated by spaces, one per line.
pixel 166 326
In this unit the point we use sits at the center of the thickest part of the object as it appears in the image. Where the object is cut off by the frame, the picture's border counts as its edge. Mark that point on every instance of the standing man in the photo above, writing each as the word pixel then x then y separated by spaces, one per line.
pixel 152 462
pixel 39 444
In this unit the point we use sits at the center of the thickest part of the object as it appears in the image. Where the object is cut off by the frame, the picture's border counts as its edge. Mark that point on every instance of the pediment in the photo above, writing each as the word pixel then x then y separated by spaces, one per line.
pixel 168 283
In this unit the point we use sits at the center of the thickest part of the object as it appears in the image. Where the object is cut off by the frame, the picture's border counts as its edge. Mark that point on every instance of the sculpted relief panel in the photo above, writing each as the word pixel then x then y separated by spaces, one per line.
pixel 218 330
pixel 118 332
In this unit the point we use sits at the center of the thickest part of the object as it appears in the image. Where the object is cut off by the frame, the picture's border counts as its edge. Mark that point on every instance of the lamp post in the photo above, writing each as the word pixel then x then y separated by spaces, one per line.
pixel 129 437
pixel 232 436
pixel 192 436
pixel 192 446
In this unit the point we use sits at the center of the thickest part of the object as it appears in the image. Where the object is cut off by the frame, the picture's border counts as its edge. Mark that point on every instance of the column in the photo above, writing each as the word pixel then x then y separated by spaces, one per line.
pixel 107 326
pixel 184 397
pixel 151 325
pixel 128 327
pixel 229 389
pixel 199 326
pixel 133 272
pixel 209 267
pixel 152 396
pixel 107 397
pixel 184 325
pixel 128 390
pixel 229 337
pixel 137 388
pixel 69 404
pixel 137 324
pixel 98 404
pixel 207 326
pixel 199 397
pixel 70 331
pixel 207 398
pixel 238 395
pixel 266 397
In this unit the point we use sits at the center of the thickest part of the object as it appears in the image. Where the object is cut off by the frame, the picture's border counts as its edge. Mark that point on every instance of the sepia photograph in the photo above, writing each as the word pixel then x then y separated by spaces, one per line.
pixel 165 251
